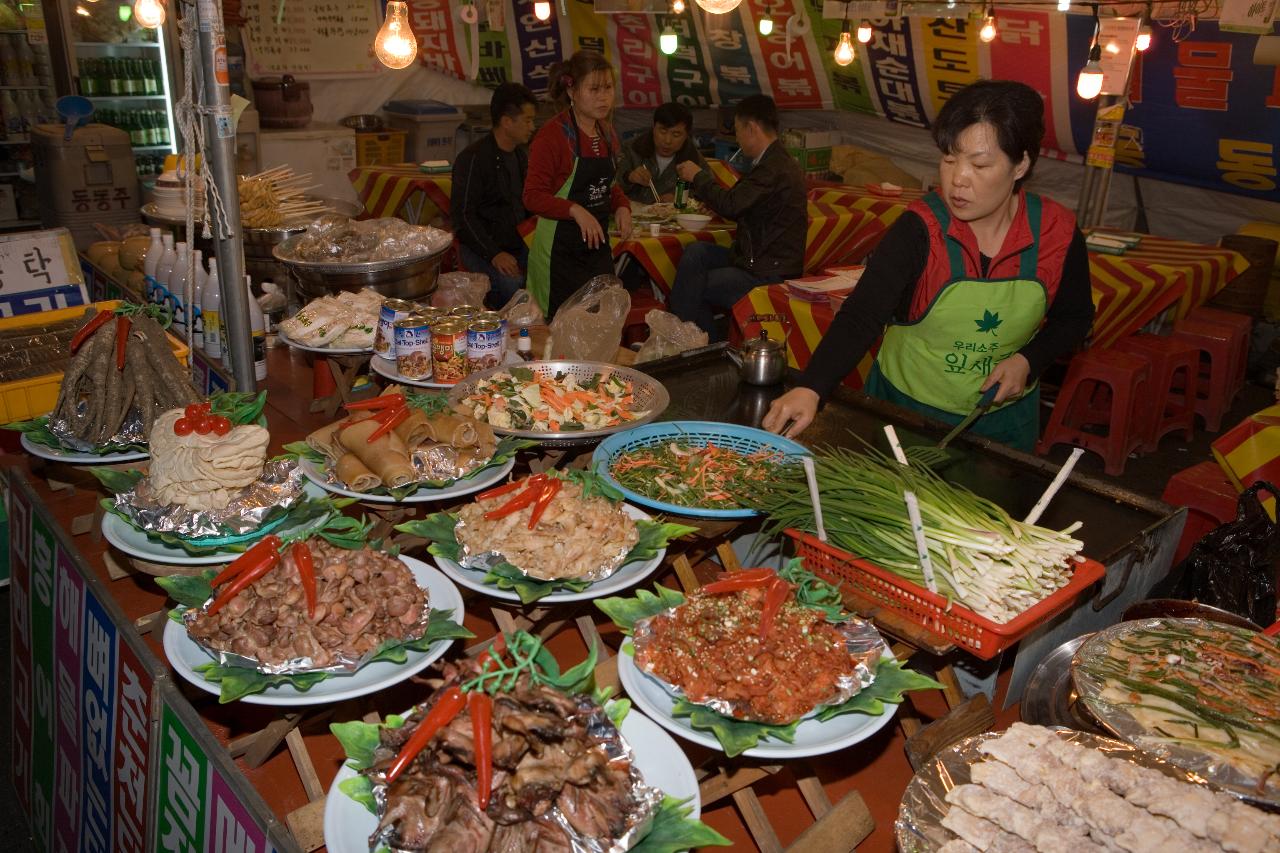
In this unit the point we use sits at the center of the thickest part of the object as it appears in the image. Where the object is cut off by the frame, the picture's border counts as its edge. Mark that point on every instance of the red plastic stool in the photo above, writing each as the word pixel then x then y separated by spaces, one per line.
pixel 635 330
pixel 1167 359
pixel 1090 375
pixel 1219 345
pixel 1242 323
pixel 1209 497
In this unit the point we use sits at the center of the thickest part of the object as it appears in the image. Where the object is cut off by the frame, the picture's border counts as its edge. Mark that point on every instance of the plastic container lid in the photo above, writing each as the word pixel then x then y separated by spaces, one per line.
pixel 419 107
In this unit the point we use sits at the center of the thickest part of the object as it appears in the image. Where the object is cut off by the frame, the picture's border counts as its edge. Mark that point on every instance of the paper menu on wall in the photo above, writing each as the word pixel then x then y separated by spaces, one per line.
pixel 314 38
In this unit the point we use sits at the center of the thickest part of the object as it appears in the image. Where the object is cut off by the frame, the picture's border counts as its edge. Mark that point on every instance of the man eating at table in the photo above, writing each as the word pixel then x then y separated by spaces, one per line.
pixel 488 183
pixel 649 161
pixel 770 207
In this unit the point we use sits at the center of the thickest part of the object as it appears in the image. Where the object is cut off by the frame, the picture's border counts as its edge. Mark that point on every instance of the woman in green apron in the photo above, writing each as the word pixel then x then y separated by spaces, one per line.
pixel 570 185
pixel 980 284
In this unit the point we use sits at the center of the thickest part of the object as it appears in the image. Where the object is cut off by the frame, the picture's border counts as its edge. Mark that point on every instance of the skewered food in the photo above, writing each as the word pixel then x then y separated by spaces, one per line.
pixel 547 527
pixel 344 320
pixel 522 400
pixel 200 461
pixel 270 199
pixel 313 600
pixel 1038 791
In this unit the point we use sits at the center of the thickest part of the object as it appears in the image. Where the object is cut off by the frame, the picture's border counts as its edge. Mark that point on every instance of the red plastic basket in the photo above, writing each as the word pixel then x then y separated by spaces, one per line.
pixel 975 634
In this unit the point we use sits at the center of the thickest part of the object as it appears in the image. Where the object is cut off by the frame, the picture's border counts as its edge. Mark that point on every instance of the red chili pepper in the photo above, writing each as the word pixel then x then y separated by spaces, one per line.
pixel 394 418
pixel 519 502
pixel 481 708
pixel 736 584
pixel 440 715
pixel 86 331
pixel 243 580
pixel 493 654
pixel 777 595
pixel 545 497
pixel 386 401
pixel 306 573
pixel 269 544
pixel 122 339
pixel 510 487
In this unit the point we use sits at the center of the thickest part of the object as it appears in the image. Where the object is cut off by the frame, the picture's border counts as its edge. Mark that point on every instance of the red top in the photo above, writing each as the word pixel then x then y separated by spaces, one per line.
pixel 1057 228
pixel 551 162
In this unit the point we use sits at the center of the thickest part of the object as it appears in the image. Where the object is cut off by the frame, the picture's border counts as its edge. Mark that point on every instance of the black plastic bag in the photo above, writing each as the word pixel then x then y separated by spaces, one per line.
pixel 1233 566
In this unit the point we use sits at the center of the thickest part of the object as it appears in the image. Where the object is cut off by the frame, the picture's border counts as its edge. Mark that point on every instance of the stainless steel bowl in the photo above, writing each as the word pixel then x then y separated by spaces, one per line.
pixel 364 123
pixel 399 278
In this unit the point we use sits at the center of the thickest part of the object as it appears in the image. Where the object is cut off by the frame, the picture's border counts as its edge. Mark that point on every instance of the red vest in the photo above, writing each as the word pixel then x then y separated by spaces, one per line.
pixel 1057 227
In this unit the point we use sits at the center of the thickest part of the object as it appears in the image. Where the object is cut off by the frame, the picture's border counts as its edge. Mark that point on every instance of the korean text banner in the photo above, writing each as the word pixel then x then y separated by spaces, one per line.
pixel 1203 112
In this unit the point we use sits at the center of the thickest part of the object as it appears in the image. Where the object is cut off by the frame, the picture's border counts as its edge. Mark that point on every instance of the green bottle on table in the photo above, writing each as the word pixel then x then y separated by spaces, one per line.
pixel 682 190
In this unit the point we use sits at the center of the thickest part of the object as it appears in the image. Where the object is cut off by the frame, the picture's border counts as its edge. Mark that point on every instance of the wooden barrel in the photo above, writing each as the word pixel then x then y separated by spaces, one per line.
pixel 1246 293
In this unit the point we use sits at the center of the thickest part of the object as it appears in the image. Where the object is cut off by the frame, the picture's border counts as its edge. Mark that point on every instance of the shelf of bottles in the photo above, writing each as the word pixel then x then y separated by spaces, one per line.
pixel 26 88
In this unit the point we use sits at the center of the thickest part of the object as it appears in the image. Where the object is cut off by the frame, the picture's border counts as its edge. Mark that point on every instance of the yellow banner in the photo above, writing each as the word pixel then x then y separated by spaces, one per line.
pixel 587 30
pixel 950 57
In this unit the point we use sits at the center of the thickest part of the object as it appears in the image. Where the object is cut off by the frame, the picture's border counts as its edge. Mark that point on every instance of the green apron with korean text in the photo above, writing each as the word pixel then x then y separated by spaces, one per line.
pixel 937 364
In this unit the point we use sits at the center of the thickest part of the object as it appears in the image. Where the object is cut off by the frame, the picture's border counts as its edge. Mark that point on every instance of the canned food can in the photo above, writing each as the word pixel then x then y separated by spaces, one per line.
pixel 484 345
pixel 384 339
pixel 449 350
pixel 466 312
pixel 413 347
pixel 431 313
pixel 502 323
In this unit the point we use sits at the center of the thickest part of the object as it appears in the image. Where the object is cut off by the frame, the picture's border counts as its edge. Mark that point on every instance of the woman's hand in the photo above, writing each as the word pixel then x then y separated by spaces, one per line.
pixel 640 175
pixel 623 216
pixel 1012 375
pixel 592 233
pixel 792 412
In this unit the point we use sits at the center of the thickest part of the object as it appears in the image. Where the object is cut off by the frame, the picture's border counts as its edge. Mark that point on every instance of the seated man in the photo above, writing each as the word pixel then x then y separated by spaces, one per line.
pixel 488 183
pixel 653 157
pixel 770 206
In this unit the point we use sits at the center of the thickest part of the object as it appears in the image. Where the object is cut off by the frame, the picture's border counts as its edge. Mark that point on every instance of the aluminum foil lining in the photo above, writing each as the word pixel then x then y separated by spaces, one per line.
pixel 861 640
pixel 1118 720
pixel 919 826
pixel 279 487
pixel 645 799
pixel 434 463
pixel 132 431
pixel 486 560
pixel 345 665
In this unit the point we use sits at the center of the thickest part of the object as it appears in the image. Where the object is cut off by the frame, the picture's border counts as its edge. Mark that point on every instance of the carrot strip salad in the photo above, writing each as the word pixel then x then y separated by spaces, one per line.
pixel 522 400
pixel 705 477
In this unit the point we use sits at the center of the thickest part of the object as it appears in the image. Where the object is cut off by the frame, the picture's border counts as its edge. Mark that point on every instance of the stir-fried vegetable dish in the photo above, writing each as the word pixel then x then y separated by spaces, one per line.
pixel 706 477
pixel 522 400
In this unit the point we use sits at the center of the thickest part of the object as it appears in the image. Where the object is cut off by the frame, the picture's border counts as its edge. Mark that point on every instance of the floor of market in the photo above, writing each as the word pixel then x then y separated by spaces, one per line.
pixel 877 769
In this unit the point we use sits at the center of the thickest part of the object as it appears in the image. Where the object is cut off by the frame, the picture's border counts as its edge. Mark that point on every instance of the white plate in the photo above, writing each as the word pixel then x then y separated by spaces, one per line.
pixel 812 737
pixel 323 350
pixel 135 543
pixel 73 458
pixel 627 575
pixel 184 655
pixel 387 367
pixel 465 486
pixel 348 825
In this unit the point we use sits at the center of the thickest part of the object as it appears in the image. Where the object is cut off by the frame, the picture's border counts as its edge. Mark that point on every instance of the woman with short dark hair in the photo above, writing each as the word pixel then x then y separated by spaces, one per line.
pixel 980 284
pixel 649 161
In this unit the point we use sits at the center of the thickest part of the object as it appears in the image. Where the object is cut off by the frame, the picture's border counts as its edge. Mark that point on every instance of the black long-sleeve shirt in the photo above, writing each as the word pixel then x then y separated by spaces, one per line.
pixel 888 284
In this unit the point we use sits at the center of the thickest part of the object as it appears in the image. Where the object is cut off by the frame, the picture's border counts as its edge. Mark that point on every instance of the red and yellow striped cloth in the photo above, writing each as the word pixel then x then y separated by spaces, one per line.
pixel 1250 451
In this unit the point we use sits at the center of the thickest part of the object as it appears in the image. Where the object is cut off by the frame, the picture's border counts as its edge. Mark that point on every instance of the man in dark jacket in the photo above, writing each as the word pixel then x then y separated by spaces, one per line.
pixel 649 161
pixel 488 183
pixel 770 206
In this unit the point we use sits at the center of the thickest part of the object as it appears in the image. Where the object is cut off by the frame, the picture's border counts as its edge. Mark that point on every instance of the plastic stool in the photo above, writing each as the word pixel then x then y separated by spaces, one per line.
pixel 1209 497
pixel 1172 407
pixel 1124 375
pixel 635 330
pixel 1219 343
pixel 1242 323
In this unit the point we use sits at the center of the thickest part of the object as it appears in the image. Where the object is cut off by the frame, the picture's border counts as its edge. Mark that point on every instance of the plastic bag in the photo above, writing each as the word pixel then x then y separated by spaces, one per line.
pixel 1233 566
pixel 460 288
pixel 340 239
pixel 588 326
pixel 522 311
pixel 669 335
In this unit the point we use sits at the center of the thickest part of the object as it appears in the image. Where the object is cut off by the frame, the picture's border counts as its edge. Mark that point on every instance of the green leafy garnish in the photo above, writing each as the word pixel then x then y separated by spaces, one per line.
pixel 240 407
pixel 523 374
pixel 360 739
pixel 525 654
pixel 237 682
pixel 117 482
pixel 813 591
pixel 673 829
pixel 360 789
pixel 440 626
pixel 627 611
pixel 430 404
pixel 736 736
pixel 507 577
pixel 189 590
pixel 302 450
pixel 37 431
pixel 892 681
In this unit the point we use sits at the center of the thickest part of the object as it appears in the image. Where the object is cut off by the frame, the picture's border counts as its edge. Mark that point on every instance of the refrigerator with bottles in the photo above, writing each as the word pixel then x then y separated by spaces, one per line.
pixel 27 95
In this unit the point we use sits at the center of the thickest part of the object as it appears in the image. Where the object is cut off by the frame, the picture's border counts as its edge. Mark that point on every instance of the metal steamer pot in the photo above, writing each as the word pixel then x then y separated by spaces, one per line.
pixel 399 278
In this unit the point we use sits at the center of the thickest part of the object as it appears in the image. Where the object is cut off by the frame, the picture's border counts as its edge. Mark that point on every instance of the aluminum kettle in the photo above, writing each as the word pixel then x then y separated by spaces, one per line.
pixel 762 361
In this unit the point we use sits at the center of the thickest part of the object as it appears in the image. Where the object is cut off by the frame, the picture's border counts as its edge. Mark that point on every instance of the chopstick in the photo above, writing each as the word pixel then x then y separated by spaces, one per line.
pixel 657 199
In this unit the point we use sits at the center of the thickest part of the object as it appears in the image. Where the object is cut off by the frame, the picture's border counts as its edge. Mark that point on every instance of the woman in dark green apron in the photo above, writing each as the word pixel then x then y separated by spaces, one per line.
pixel 570 185
pixel 977 285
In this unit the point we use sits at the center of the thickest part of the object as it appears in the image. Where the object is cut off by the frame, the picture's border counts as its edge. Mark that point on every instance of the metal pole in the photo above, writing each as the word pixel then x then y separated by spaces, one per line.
pixel 220 154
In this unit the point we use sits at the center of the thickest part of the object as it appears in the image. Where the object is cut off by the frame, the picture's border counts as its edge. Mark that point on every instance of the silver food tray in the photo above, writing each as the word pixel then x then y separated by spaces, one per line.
pixel 283 252
pixel 651 395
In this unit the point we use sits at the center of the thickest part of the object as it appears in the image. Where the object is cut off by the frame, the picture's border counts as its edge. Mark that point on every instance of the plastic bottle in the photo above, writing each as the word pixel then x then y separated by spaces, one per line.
pixel 524 345
pixel 9 73
pixel 258 323
pixel 163 269
pixel 12 116
pixel 194 311
pixel 177 285
pixel 155 250
pixel 211 313
pixel 26 63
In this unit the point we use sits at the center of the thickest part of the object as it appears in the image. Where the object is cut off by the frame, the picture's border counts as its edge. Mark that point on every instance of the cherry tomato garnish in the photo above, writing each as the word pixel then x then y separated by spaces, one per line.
pixel 203 425
pixel 182 426
pixel 220 425
pixel 192 411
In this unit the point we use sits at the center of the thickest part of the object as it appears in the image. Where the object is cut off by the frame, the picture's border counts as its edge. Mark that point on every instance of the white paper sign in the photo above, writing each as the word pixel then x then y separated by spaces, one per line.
pixel 1117 37
pixel 39 271
pixel 1248 16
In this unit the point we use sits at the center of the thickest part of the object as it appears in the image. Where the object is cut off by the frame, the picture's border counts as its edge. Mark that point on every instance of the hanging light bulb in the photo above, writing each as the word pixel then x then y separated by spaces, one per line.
pixel 766 23
pixel 124 12
pixel 678 7
pixel 864 31
pixel 719 7
pixel 845 53
pixel 1144 33
pixel 988 31
pixel 1089 83
pixel 395 45
pixel 668 41
pixel 80 10
pixel 148 13
pixel 1064 5
pixel 542 10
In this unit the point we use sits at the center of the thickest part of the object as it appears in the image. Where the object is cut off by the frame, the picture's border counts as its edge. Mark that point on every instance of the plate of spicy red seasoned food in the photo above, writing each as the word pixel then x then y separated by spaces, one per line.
pixel 759 662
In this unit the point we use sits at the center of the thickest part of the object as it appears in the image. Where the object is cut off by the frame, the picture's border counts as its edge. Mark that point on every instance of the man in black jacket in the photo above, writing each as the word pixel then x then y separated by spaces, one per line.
pixel 770 206
pixel 488 183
